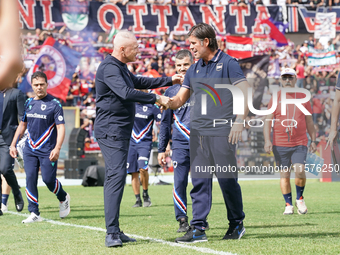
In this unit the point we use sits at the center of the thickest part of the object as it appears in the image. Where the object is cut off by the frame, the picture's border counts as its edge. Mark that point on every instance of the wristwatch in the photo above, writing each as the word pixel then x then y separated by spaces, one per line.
pixel 158 97
pixel 239 120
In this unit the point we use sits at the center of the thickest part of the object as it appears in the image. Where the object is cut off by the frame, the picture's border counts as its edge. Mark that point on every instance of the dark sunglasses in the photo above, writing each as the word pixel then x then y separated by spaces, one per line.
pixel 290 78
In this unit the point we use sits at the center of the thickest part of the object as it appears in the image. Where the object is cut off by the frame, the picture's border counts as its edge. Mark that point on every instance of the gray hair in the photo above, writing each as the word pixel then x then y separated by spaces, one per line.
pixel 184 53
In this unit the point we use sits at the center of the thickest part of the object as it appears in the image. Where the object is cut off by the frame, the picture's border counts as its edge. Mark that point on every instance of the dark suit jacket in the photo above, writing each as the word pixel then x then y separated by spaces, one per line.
pixel 13 111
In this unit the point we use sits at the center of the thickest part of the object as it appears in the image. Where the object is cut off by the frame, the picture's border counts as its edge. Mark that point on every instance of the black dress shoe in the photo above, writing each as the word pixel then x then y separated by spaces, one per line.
pixel 125 239
pixel 113 240
pixel 19 202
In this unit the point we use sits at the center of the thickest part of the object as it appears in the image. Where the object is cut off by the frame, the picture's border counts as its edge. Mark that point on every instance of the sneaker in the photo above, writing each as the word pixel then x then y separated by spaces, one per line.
pixel 19 202
pixel 147 201
pixel 138 203
pixel 4 208
pixel 113 240
pixel 125 239
pixel 301 206
pixel 183 225
pixel 193 235
pixel 289 209
pixel 64 207
pixel 235 232
pixel 33 218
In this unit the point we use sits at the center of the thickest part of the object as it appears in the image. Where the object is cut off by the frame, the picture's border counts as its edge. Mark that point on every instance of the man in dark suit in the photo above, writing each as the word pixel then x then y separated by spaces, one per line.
pixel 115 108
pixel 11 109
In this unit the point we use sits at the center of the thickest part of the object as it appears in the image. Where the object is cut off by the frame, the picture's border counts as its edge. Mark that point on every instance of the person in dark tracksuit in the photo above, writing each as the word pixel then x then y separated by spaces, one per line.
pixel 11 110
pixel 210 144
pixel 115 112
pixel 44 120
pixel 179 119
pixel 140 148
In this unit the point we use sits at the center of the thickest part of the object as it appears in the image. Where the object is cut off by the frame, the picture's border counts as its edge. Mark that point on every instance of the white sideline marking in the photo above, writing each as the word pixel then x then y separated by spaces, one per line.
pixel 200 249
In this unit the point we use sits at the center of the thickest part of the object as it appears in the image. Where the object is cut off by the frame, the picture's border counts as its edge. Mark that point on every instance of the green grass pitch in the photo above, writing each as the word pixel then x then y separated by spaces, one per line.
pixel 267 230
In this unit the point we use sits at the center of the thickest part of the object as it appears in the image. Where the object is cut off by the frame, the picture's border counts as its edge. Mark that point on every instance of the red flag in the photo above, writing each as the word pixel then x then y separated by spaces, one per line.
pixel 239 47
pixel 58 62
pixel 275 33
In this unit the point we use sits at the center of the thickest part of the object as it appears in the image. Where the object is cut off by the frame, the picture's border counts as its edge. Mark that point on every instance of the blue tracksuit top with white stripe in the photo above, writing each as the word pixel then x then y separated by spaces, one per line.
pixel 116 97
pixel 42 116
pixel 144 119
pixel 181 124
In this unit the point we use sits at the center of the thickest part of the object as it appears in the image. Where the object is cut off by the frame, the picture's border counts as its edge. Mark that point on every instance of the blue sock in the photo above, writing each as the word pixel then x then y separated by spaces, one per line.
pixel 288 198
pixel 299 192
pixel 4 199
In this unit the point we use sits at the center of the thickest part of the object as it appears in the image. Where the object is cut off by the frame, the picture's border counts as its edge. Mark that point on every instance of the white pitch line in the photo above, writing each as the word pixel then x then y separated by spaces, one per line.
pixel 200 249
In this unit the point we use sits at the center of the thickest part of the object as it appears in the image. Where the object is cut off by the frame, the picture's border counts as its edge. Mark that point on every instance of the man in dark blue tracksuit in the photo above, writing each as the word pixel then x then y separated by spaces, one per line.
pixel 115 109
pixel 140 148
pixel 180 142
pixel 44 120
pixel 211 144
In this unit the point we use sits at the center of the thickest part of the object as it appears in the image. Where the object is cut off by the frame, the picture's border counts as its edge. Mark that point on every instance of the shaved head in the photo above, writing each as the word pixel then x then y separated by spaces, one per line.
pixel 123 39
pixel 125 47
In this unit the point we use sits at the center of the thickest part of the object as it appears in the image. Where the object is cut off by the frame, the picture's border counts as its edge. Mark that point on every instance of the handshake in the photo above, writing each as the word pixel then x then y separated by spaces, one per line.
pixel 164 101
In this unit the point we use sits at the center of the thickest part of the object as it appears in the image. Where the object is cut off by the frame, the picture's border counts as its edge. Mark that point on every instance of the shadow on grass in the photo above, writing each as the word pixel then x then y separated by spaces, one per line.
pixel 70 216
pixel 300 235
pixel 219 237
pixel 83 207
pixel 162 205
pixel 271 226
pixel 337 212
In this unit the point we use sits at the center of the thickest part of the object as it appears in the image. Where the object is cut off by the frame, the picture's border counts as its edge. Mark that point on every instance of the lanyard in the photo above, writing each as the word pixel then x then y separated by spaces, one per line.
pixel 290 128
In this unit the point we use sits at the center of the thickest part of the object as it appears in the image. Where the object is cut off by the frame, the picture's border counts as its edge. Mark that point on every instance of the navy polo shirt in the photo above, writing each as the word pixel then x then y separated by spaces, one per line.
pixel 217 103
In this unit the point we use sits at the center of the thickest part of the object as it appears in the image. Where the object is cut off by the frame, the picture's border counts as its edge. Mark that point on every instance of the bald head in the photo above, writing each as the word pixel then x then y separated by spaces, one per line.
pixel 125 47
pixel 124 38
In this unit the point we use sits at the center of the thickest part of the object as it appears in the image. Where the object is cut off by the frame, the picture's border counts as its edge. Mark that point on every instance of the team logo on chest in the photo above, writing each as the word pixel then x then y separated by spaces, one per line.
pixel 219 66
pixel 145 108
pixel 43 107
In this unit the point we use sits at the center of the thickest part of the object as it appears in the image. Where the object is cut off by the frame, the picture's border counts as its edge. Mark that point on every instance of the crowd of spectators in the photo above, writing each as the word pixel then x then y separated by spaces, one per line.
pixel 157 59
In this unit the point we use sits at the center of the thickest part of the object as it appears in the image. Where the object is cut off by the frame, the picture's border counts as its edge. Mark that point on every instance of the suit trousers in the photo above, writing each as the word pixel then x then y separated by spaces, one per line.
pixel 115 153
pixel 6 168
pixel 214 151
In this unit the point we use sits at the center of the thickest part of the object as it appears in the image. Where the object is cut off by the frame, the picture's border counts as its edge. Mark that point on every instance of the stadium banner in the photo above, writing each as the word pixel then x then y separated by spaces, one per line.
pixel 325 25
pixel 321 59
pixel 239 47
pixel 98 16
pixel 256 71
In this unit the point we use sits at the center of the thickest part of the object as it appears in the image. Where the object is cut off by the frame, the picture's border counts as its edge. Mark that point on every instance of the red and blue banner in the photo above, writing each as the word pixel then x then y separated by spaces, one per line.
pixel 321 59
pixel 98 16
pixel 58 62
